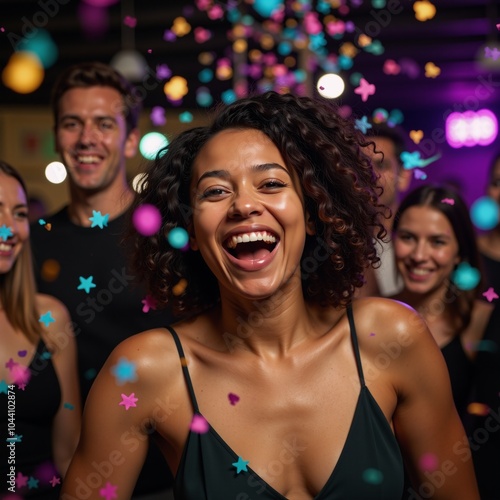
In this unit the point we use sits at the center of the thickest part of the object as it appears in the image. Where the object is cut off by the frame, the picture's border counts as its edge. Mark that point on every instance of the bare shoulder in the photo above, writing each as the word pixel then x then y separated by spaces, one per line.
pixel 48 303
pixel 388 320
pixel 152 353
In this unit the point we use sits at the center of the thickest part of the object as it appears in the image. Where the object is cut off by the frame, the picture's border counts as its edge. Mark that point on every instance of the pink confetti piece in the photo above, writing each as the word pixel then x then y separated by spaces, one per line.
pixel 490 294
pixel 199 424
pixel 129 21
pixel 428 462
pixel 233 398
pixel 128 401
pixel 448 201
pixel 365 89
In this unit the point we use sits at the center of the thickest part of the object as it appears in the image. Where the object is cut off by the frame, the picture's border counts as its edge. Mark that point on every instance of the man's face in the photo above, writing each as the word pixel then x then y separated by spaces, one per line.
pixel 393 178
pixel 92 139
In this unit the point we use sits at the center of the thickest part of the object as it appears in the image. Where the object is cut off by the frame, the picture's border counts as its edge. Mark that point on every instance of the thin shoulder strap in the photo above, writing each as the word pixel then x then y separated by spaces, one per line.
pixel 185 370
pixel 354 339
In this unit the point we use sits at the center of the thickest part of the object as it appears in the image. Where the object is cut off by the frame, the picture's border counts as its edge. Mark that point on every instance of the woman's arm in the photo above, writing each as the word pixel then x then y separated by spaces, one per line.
pixel 117 422
pixel 59 338
pixel 426 423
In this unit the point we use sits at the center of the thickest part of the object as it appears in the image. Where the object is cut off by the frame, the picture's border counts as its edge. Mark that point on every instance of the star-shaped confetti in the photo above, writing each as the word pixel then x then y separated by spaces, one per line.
pixel 241 465
pixel 365 89
pixel 109 491
pixel 149 303
pixel 124 371
pixel 128 401
pixel 5 232
pixel 21 480
pixel 32 483
pixel 86 283
pixel 46 319
pixel 55 480
pixel 10 364
pixel 363 125
pixel 98 219
pixel 490 294
pixel 3 386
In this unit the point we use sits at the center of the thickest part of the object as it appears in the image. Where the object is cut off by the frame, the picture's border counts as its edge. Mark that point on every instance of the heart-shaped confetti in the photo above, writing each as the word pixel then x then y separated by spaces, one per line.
pixel 233 398
pixel 416 136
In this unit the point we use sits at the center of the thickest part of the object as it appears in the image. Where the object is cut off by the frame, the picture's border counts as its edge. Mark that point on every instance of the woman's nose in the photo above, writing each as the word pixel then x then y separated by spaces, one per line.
pixel 245 204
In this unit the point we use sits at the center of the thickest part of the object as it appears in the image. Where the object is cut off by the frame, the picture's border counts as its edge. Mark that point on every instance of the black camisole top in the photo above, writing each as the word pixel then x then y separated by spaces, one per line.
pixel 370 466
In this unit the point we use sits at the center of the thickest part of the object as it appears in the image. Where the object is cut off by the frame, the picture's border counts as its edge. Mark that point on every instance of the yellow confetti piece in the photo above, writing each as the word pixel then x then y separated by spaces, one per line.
pixel 424 10
pixel 431 70
pixel 416 136
pixel 478 409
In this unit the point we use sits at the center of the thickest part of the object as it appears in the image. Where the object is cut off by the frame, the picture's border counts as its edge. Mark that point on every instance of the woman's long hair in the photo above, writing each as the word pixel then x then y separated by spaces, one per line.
pixel 460 302
pixel 17 287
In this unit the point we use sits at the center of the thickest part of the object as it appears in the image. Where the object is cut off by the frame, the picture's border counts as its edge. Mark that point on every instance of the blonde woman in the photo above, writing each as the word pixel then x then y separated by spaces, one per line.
pixel 38 378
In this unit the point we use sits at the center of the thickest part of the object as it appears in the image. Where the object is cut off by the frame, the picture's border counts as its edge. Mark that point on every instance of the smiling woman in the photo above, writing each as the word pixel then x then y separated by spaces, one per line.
pixel 38 362
pixel 280 205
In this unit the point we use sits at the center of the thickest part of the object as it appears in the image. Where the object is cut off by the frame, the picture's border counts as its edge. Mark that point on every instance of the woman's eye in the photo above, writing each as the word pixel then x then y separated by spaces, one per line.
pixel 213 192
pixel 274 184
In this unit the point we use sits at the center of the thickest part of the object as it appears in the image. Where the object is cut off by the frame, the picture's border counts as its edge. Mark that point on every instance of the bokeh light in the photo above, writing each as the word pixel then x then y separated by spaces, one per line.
pixel 55 172
pixel 151 143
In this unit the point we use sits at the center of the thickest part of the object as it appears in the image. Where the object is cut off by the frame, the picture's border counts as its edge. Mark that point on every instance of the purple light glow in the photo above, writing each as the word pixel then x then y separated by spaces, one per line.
pixel 471 128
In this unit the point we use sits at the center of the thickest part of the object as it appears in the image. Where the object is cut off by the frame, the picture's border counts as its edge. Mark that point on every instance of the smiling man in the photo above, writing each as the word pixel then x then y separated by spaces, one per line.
pixel 95 124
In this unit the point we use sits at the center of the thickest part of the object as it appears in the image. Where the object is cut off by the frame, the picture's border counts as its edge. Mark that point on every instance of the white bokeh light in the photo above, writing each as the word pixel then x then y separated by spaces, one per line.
pixel 55 172
pixel 330 85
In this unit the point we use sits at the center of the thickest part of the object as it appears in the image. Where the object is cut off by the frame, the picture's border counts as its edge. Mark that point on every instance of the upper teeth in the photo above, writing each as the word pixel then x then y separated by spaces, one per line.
pixel 420 271
pixel 246 237
pixel 88 159
pixel 4 247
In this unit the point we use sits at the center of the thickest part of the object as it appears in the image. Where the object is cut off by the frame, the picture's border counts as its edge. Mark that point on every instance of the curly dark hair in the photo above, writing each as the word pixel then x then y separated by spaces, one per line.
pixel 339 188
pixel 98 74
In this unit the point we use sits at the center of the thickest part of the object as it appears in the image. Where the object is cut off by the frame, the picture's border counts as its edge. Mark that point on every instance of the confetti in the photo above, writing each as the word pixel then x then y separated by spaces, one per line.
pixel 428 462
pixel 490 294
pixel 46 319
pixel 372 476
pixel 99 220
pixel 416 136
pixel 149 303
pixel 5 232
pixel 478 409
pixel 146 219
pixel 365 89
pixel 178 238
pixel 448 201
pixel 199 424
pixel 109 491
pixel 124 371
pixel 465 276
pixel 233 398
pixel 86 284
pixel 128 401
pixel 431 70
pixel 241 465
pixel 484 213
